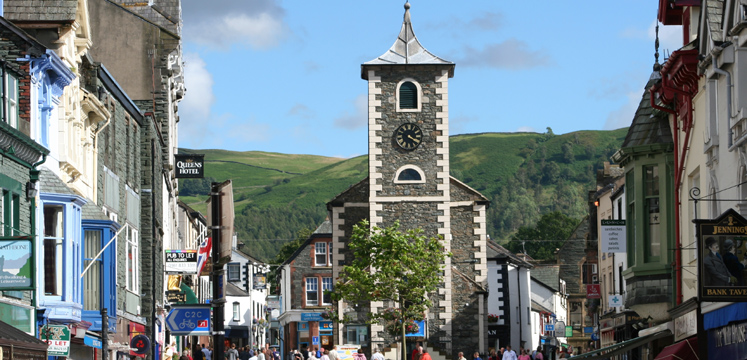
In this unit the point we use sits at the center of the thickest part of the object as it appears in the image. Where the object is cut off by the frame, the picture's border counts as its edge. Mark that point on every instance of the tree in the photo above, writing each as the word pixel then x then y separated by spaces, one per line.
pixel 541 240
pixel 406 271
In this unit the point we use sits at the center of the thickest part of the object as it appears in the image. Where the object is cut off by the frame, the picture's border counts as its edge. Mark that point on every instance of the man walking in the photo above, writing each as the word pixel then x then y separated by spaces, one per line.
pixel 509 354
pixel 232 354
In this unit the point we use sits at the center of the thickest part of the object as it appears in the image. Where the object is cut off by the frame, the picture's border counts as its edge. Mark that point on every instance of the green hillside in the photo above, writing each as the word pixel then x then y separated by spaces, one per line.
pixel 523 174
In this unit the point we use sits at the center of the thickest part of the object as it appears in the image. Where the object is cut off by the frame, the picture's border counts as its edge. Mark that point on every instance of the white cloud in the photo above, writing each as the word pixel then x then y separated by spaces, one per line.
pixel 258 31
pixel 195 108
pixel 510 54
pixel 302 111
pixel 357 119
pixel 526 129
pixel 623 116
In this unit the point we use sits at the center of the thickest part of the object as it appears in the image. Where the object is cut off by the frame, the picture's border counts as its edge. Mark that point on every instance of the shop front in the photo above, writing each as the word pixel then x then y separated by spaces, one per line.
pixel 727 332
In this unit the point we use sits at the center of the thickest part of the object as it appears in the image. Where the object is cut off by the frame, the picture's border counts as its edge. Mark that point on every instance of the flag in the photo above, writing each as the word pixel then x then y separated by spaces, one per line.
pixel 203 254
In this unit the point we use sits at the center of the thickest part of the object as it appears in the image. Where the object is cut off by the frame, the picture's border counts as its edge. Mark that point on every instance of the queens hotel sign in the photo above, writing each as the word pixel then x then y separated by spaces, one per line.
pixel 190 166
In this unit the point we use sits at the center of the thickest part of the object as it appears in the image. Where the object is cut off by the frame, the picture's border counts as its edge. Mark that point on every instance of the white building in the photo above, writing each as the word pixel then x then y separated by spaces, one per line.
pixel 509 298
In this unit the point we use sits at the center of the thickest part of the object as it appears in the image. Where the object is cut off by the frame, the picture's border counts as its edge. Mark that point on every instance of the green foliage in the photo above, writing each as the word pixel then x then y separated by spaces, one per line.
pixel 407 269
pixel 523 174
pixel 541 240
pixel 195 187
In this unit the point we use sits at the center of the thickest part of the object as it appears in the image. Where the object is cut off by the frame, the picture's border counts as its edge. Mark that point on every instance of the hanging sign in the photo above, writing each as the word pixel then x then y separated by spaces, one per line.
pixel 58 339
pixel 613 236
pixel 593 291
pixel 189 166
pixel 16 263
pixel 721 257
pixel 181 262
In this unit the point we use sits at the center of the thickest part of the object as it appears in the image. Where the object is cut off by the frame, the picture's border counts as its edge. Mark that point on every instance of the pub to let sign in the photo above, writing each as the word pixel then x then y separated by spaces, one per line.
pixel 190 166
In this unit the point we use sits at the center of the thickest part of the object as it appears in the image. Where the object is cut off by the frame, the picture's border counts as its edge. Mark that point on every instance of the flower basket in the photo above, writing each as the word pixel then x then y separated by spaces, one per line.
pixel 326 314
pixel 492 318
pixel 394 328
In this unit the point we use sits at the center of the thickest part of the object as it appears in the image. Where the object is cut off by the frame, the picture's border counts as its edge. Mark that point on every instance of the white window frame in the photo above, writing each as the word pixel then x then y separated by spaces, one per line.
pixel 312 286
pixel 409 167
pixel 317 253
pixel 133 261
pixel 419 94
pixel 327 284
pixel 237 271
pixel 236 312
pixel 10 98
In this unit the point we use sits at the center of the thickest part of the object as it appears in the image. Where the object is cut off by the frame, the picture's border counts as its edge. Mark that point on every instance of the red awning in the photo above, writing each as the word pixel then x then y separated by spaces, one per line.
pixel 683 350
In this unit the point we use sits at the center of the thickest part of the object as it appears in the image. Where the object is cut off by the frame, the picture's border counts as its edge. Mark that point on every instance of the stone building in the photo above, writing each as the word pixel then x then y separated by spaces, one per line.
pixel 304 277
pixel 409 182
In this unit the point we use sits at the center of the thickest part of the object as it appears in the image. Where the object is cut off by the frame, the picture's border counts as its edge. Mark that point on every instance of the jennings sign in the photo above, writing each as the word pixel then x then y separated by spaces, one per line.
pixel 190 166
pixel 721 257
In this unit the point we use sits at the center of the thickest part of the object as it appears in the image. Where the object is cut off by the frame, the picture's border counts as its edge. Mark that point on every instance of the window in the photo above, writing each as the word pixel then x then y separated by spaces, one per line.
pixel 236 311
pixel 326 288
pixel 409 174
pixel 111 190
pixel 133 261
pixel 408 96
pixel 9 103
pixel 133 207
pixel 630 217
pixel 9 213
pixel 234 272
pixel 320 254
pixel 312 291
pixel 356 334
pixel 92 283
pixel 54 230
pixel 651 182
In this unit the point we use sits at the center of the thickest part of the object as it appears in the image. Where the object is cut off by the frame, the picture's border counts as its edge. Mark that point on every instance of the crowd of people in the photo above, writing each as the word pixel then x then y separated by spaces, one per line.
pixel 232 353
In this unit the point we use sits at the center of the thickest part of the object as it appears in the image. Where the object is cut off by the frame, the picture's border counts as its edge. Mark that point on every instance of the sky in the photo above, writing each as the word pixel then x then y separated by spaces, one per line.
pixel 284 76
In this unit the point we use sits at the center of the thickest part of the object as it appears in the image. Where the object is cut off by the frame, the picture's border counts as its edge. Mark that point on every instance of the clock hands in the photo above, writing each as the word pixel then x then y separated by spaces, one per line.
pixel 412 138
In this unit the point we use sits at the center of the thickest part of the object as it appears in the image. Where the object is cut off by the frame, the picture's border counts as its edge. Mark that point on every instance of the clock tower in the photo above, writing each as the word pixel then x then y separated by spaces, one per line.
pixel 409 182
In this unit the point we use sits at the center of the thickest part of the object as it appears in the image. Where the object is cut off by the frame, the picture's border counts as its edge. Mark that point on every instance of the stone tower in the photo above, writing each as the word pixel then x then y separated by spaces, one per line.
pixel 409 181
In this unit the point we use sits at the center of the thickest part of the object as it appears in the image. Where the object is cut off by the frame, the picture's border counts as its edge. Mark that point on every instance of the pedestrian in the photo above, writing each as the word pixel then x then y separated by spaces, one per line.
pixel 312 354
pixel 254 355
pixel 538 354
pixel 359 355
pixel 461 356
pixel 297 355
pixel 275 354
pixel 184 355
pixel 377 355
pixel 333 353
pixel 524 355
pixel 416 351
pixel 476 356
pixel 325 355
pixel 426 355
pixel 232 354
pixel 509 354
pixel 261 355
pixel 243 353
pixel 493 355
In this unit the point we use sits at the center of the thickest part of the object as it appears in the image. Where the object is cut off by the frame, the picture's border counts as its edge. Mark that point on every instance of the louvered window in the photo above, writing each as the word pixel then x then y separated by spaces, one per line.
pixel 92 284
pixel 408 96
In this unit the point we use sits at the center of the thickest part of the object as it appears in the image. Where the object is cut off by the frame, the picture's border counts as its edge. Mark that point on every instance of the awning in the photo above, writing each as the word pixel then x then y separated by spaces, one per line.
pixel 725 315
pixel 622 347
pixel 237 332
pixel 683 350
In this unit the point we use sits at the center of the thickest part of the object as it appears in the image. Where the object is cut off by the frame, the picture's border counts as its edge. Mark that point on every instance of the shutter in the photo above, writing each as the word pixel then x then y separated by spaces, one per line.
pixel 408 96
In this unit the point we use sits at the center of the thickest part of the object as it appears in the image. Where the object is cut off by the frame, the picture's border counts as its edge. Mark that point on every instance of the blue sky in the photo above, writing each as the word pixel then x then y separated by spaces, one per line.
pixel 284 76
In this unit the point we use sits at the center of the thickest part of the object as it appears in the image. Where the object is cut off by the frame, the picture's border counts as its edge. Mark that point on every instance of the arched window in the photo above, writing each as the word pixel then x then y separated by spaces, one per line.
pixel 409 174
pixel 408 96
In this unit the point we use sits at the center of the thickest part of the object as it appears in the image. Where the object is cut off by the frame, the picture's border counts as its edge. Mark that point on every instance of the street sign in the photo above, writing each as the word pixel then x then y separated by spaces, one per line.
pixel 189 320
pixel 615 301
pixel 549 327
pixel 314 340
pixel 141 343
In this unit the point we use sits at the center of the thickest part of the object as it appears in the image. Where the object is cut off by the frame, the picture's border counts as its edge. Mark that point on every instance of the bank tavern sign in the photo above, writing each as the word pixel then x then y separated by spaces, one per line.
pixel 190 165
pixel 721 250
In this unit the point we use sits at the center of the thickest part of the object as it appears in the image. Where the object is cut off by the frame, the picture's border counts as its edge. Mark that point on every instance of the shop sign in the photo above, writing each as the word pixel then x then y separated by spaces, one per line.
pixel 721 249
pixel 615 301
pixel 176 296
pixel 613 236
pixel 16 264
pixel 58 339
pixel 593 291
pixel 92 341
pixel 260 281
pixel 728 342
pixel 189 166
pixel 685 326
pixel 181 262
pixel 315 316
pixel 569 331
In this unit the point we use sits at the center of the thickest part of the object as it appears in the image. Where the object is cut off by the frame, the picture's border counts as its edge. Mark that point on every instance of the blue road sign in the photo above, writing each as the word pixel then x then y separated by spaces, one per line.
pixel 549 327
pixel 189 320
pixel 314 340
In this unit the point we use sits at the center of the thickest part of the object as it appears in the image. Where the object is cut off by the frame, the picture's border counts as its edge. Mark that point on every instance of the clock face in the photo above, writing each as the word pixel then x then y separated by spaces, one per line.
pixel 408 136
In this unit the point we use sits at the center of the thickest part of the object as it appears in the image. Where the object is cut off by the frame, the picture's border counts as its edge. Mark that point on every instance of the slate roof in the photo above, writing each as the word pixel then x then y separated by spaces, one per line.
pixel 407 49
pixel 648 128
pixel 233 290
pixel 495 250
pixel 50 183
pixel 40 10
pixel 323 230
pixel 548 275
pixel 10 336
pixel 714 16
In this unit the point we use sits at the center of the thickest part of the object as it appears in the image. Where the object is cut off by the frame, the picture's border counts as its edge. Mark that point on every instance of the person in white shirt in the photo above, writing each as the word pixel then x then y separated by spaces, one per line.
pixel 509 354
pixel 377 355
